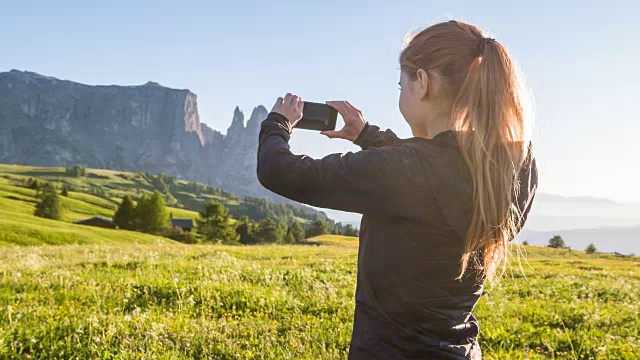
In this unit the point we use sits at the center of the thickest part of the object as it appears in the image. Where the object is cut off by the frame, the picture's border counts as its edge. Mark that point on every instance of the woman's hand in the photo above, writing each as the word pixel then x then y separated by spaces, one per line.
pixel 353 121
pixel 290 107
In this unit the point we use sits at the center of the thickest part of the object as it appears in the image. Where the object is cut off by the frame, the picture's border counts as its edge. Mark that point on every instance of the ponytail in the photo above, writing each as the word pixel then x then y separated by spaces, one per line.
pixel 489 104
pixel 489 118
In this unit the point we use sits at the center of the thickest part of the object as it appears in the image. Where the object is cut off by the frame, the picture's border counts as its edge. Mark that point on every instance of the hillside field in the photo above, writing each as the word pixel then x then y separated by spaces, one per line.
pixel 80 292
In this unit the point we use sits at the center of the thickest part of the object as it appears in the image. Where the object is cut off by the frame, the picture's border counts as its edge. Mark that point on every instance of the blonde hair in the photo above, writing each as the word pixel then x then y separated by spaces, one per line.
pixel 484 88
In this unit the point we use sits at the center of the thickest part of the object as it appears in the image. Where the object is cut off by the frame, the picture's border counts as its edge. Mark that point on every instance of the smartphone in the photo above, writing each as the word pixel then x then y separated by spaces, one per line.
pixel 316 116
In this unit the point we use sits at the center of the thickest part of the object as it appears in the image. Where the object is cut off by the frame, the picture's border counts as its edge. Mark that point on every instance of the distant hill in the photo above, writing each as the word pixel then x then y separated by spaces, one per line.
pixel 100 192
pixel 610 225
pixel 625 240
pixel 560 212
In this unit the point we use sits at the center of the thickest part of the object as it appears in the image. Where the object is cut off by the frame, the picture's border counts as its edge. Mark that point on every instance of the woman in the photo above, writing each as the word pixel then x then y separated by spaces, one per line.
pixel 438 208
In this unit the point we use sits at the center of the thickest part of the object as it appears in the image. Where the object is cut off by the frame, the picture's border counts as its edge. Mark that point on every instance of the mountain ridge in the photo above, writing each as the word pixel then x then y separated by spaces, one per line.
pixel 149 128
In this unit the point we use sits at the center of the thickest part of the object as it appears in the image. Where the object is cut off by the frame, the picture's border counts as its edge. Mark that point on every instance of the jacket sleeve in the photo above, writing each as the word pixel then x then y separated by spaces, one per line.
pixel 369 181
pixel 372 136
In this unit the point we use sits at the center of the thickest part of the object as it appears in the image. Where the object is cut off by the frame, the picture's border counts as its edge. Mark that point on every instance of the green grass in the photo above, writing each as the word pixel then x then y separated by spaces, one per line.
pixel 172 301
pixel 116 184
pixel 18 226
pixel 335 240
pixel 118 294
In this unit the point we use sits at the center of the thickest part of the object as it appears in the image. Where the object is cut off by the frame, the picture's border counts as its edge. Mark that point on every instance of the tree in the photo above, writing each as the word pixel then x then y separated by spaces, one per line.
pixel 525 242
pixel 556 242
pixel 288 237
pixel 76 171
pixel 297 231
pixel 64 191
pixel 267 231
pixel 318 227
pixel 141 213
pixel 48 205
pixel 349 230
pixel 591 249
pixel 214 224
pixel 124 217
pixel 246 228
pixel 151 213
pixel 34 184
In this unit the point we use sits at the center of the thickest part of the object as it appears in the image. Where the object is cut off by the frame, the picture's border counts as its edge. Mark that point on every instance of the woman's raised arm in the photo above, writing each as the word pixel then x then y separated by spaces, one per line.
pixel 372 181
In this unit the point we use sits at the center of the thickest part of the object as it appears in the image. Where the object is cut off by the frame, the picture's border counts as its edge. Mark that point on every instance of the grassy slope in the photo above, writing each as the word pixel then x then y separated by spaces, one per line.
pixel 18 226
pixel 334 240
pixel 120 183
pixel 266 302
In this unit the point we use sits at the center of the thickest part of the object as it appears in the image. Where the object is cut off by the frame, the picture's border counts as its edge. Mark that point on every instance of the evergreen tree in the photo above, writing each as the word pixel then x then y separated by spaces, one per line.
pixel 245 228
pixel 214 224
pixel 557 242
pixel 297 231
pixel 124 217
pixel 288 237
pixel 141 213
pixel 151 213
pixel 349 230
pixel 34 184
pixel 48 205
pixel 591 249
pixel 317 228
pixel 159 214
pixel 76 171
pixel 267 231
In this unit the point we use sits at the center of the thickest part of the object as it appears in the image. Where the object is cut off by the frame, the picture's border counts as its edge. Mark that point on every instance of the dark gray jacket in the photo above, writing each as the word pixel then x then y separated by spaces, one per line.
pixel 415 196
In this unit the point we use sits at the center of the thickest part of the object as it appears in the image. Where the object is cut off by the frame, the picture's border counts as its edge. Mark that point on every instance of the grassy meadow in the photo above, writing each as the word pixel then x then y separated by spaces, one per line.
pixel 174 301
pixel 79 292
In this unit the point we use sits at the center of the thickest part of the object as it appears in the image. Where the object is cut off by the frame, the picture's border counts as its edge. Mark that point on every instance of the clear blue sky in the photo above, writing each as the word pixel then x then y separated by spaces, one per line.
pixel 581 60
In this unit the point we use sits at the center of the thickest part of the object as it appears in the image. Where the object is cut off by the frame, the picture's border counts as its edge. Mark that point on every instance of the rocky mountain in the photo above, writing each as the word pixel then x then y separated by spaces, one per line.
pixel 45 121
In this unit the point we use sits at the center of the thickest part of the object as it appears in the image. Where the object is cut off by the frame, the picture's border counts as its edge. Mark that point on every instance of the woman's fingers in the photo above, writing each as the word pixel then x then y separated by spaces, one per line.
pixel 287 98
pixel 277 104
pixel 339 106
pixel 348 113
pixel 332 134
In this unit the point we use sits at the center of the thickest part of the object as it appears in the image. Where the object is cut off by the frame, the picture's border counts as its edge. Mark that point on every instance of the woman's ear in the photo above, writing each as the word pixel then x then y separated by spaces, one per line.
pixel 423 84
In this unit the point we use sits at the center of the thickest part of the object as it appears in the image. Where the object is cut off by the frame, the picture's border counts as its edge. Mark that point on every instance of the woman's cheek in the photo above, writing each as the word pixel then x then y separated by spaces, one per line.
pixel 404 107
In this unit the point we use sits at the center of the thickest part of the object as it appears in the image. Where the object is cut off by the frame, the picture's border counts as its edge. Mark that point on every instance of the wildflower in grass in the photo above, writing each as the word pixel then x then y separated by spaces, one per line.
pixel 127 318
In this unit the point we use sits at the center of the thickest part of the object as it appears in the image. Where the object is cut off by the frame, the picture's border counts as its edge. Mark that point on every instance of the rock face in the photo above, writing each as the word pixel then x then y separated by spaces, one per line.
pixel 50 122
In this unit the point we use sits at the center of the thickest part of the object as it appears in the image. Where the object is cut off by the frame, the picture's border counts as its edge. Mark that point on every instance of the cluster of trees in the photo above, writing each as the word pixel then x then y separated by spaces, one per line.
pixel 149 215
pixel 269 231
pixel 557 242
pixel 34 184
pixel 259 220
pixel 254 208
pixel 161 182
pixel 48 204
pixel 76 171
pixel 214 224
pixel 259 208
pixel 199 189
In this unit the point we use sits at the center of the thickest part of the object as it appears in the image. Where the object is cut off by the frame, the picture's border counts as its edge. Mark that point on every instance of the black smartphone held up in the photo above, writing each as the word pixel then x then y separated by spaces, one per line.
pixel 316 116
